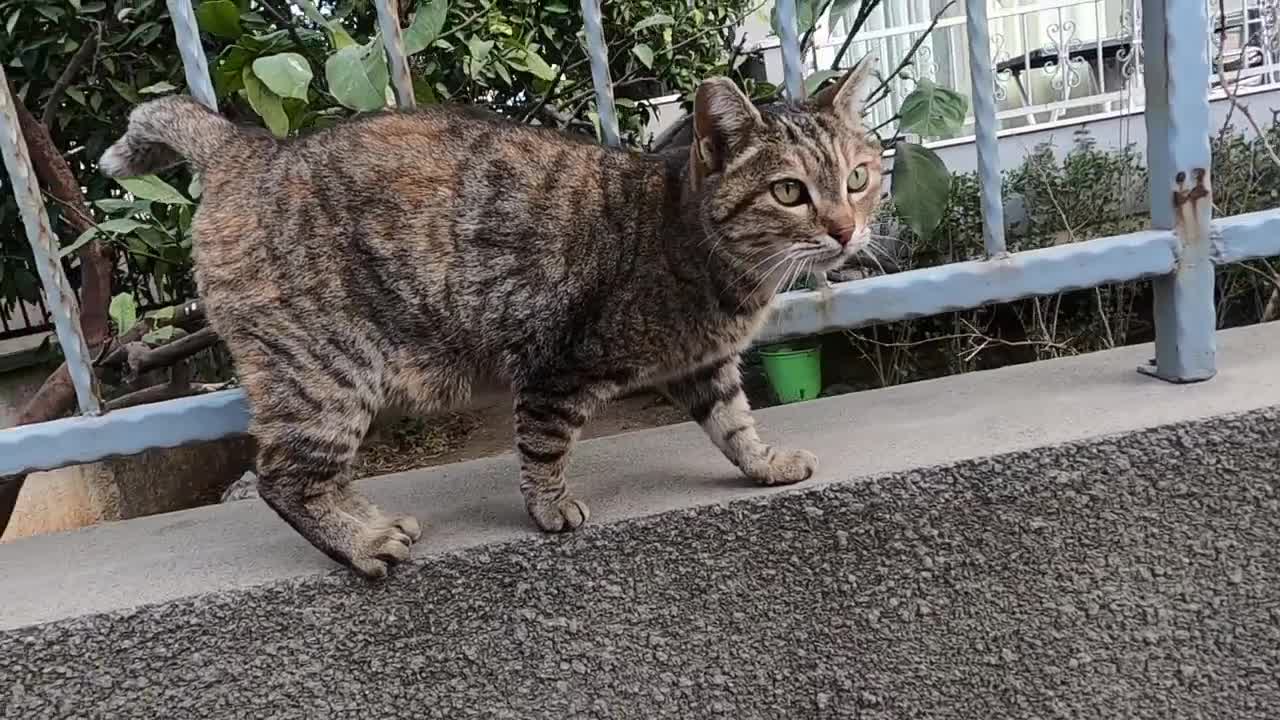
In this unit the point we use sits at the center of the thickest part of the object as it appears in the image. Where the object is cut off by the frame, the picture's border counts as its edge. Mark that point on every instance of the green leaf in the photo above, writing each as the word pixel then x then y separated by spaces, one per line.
pixel 538 66
pixel 357 76
pixel 339 37
pixel 427 23
pixel 219 17
pixel 150 187
pixel 158 88
pixel 196 187
pixel 501 71
pixel 119 225
pixel 160 336
pixel 656 19
pixel 920 186
pixel 164 314
pixel 644 53
pixel 423 93
pixel 287 74
pixel 932 111
pixel 816 80
pixel 80 242
pixel 478 48
pixel 112 205
pixel 125 91
pixel 124 312
pixel 266 104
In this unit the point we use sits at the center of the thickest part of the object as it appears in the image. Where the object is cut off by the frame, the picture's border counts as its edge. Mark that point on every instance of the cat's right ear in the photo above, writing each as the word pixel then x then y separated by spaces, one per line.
pixel 723 119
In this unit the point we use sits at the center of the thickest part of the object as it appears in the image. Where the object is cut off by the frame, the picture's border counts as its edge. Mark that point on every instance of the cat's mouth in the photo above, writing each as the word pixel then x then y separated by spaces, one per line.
pixel 827 253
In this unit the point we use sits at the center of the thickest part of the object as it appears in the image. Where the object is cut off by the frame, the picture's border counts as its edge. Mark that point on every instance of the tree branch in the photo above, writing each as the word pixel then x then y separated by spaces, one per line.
pixel 86 52
pixel 143 359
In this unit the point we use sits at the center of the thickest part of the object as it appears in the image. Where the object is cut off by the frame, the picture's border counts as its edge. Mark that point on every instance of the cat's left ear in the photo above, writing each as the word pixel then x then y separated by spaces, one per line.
pixel 723 120
pixel 846 96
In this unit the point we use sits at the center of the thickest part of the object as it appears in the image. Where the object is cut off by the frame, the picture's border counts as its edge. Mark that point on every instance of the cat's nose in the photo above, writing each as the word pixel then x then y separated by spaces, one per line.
pixel 841 234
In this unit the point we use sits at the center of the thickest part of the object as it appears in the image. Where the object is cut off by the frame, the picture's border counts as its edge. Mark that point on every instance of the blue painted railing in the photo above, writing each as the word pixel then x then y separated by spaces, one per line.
pixel 1179 254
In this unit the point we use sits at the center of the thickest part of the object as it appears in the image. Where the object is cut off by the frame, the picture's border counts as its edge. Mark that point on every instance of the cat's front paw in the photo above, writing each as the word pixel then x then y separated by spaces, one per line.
pixel 560 515
pixel 786 467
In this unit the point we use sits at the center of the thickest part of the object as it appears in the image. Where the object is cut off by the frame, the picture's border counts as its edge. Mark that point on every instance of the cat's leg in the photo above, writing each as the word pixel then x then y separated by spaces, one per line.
pixel 307 441
pixel 714 398
pixel 548 419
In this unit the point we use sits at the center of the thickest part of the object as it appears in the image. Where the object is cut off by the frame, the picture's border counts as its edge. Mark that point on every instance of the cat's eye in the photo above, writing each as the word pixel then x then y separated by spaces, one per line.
pixel 858 179
pixel 789 192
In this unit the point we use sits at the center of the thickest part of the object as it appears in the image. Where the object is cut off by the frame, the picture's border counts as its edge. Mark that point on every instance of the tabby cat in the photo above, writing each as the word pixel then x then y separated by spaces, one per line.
pixel 402 257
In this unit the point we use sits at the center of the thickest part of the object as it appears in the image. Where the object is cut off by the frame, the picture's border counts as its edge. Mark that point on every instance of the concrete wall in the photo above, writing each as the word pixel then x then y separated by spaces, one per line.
pixel 1064 539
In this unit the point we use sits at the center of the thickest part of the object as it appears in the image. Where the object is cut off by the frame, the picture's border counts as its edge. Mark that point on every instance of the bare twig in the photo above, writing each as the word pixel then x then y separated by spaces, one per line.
pixel 978 342
pixel 1272 309
pixel 864 13
pixel 166 391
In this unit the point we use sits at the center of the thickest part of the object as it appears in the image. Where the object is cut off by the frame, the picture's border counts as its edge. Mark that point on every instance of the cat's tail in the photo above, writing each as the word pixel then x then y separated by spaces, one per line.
pixel 162 133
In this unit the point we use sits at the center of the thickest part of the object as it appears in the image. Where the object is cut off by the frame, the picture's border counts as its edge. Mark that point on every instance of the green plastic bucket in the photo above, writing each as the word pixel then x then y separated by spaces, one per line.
pixel 795 372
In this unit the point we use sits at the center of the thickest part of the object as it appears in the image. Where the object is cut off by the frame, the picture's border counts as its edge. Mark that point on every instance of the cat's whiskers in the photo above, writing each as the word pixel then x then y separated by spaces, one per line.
pixel 749 270
pixel 869 251
pixel 782 279
pixel 764 277
pixel 711 233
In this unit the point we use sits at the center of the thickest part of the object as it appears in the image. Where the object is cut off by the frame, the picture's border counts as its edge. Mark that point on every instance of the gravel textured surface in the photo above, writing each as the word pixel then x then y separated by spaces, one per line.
pixel 1129 577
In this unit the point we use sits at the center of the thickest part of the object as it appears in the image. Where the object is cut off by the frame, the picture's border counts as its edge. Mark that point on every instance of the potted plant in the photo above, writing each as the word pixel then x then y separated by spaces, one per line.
pixel 794 368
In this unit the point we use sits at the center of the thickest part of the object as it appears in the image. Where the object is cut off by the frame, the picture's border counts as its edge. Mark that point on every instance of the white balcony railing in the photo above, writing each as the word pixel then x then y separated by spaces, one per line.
pixel 1053 59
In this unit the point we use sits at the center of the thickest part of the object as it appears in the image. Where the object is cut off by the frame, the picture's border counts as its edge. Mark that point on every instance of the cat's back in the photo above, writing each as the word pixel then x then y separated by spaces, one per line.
pixel 440 143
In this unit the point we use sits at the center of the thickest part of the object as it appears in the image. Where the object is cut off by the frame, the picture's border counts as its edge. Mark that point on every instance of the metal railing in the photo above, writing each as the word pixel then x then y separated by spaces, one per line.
pixel 1179 254
pixel 1053 59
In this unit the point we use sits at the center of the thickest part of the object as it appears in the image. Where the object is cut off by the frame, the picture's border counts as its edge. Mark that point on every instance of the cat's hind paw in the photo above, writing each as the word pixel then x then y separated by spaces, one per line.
pixel 787 467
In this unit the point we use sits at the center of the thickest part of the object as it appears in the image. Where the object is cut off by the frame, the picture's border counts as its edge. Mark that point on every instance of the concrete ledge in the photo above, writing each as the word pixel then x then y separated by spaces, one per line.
pixel 1065 539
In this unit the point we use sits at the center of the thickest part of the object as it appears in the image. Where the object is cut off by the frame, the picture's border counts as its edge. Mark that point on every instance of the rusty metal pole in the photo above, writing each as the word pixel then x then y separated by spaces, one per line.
pixel 1176 64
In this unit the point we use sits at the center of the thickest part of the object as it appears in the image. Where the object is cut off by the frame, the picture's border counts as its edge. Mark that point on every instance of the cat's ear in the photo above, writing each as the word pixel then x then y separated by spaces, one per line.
pixel 723 119
pixel 846 96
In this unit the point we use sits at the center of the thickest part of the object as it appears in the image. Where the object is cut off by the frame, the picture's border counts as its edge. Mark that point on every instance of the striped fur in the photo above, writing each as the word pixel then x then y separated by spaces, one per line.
pixel 403 258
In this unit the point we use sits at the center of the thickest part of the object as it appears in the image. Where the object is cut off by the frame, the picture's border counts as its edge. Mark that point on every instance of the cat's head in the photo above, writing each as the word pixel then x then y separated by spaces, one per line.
pixel 785 188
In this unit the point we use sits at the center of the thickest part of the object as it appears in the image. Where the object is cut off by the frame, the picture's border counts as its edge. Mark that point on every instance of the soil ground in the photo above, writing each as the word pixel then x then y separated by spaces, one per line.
pixel 486 430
